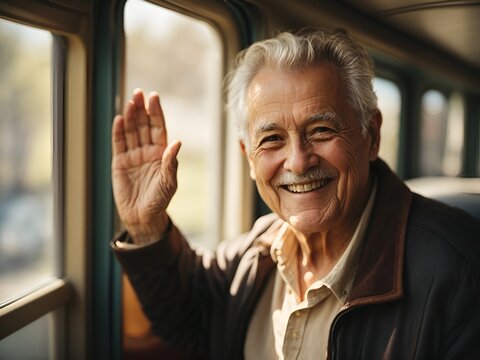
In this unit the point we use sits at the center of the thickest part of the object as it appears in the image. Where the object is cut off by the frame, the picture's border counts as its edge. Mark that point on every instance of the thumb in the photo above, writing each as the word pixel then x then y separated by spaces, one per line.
pixel 169 159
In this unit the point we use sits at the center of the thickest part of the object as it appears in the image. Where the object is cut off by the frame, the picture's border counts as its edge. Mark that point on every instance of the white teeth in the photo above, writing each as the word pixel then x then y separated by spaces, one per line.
pixel 307 187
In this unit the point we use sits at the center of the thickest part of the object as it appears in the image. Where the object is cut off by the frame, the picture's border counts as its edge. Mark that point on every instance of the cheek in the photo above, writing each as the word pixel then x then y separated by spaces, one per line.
pixel 339 153
pixel 347 160
pixel 265 171
pixel 265 166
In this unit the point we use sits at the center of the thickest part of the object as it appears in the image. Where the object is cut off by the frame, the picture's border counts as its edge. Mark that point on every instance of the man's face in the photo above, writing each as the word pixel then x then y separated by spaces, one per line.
pixel 307 152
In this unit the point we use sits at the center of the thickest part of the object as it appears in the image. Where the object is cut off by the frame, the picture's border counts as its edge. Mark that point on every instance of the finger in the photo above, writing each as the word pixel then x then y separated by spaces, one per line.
pixel 169 159
pixel 131 134
pixel 157 120
pixel 119 144
pixel 142 121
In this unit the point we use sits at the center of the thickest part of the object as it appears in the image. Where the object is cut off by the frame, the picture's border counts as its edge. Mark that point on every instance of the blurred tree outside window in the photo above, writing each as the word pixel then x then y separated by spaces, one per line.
pixel 27 248
pixel 28 252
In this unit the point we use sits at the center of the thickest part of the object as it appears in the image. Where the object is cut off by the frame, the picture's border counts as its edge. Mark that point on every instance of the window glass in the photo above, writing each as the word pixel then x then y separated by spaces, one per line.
pixel 389 103
pixel 180 58
pixel 32 342
pixel 452 160
pixel 433 127
pixel 26 197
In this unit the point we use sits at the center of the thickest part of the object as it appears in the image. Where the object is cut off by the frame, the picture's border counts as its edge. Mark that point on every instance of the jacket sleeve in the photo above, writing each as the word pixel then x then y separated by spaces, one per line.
pixel 179 288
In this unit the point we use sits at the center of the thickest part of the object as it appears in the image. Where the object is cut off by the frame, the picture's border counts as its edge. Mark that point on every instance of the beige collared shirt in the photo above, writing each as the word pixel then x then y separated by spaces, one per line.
pixel 282 327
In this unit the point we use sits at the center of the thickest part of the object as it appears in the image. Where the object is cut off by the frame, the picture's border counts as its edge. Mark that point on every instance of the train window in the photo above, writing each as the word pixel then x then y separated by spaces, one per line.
pixel 441 134
pixel 180 57
pixel 27 239
pixel 452 159
pixel 389 103
pixel 433 126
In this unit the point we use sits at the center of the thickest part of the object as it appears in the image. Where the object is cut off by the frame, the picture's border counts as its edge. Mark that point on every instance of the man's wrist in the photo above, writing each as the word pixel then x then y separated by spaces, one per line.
pixel 147 236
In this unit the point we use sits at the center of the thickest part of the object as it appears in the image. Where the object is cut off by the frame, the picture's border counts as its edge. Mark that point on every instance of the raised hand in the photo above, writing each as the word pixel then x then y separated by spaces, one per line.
pixel 144 168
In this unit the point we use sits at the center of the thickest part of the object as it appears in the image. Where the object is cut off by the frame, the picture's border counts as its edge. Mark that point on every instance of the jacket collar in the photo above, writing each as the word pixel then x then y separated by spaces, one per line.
pixel 380 268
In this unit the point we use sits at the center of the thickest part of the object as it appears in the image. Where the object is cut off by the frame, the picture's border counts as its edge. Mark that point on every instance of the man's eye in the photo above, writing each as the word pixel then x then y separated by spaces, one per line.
pixel 321 129
pixel 322 132
pixel 270 138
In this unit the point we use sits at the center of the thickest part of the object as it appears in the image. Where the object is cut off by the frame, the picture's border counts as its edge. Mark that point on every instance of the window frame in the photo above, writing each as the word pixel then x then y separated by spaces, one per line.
pixel 28 306
pixel 69 119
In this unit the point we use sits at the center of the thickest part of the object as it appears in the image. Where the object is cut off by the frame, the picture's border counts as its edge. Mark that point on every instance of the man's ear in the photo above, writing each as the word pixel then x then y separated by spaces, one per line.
pixel 374 131
pixel 250 162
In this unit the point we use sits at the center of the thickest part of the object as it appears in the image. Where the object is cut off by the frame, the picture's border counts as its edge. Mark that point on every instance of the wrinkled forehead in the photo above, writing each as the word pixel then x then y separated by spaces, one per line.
pixel 310 89
pixel 272 77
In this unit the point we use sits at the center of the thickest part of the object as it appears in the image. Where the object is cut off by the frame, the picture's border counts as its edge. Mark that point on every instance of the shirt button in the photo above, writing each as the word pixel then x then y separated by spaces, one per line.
pixel 297 313
pixel 295 335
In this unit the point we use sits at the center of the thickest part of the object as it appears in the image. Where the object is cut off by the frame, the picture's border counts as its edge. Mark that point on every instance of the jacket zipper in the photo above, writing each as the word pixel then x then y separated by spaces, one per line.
pixel 331 354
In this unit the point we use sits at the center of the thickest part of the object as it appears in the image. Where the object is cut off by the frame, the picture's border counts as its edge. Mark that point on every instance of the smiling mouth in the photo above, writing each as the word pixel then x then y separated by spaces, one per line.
pixel 304 188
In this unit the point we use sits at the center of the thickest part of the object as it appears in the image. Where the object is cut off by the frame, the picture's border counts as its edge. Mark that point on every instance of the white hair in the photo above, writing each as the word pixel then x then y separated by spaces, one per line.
pixel 307 48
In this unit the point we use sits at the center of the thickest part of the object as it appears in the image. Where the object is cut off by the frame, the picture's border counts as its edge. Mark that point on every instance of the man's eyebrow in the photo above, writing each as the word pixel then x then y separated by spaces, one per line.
pixel 265 127
pixel 326 116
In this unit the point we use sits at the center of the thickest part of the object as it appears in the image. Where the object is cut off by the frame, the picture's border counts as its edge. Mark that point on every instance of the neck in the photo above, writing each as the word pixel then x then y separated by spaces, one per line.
pixel 319 252
pixel 317 255
pixel 320 249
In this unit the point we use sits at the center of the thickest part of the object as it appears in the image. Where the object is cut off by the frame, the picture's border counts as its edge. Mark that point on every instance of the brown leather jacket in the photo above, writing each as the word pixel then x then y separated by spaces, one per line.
pixel 416 294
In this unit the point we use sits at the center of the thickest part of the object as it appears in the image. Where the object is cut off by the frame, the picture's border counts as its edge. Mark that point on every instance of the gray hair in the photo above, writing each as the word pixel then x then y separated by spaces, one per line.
pixel 304 49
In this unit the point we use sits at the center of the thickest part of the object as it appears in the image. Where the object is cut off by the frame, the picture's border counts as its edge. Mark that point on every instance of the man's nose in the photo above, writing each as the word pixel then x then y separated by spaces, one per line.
pixel 300 158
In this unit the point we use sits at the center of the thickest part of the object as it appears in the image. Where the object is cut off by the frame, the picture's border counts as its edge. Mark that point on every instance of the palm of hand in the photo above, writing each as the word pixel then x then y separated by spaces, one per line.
pixel 143 168
pixel 141 190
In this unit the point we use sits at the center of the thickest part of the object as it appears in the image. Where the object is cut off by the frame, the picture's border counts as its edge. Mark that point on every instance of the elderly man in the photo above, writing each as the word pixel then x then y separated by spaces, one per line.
pixel 350 265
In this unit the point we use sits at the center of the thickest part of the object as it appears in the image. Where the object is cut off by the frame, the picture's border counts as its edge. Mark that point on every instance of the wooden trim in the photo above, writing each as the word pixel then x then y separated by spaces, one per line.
pixel 426 6
pixel 51 16
pixel 30 307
